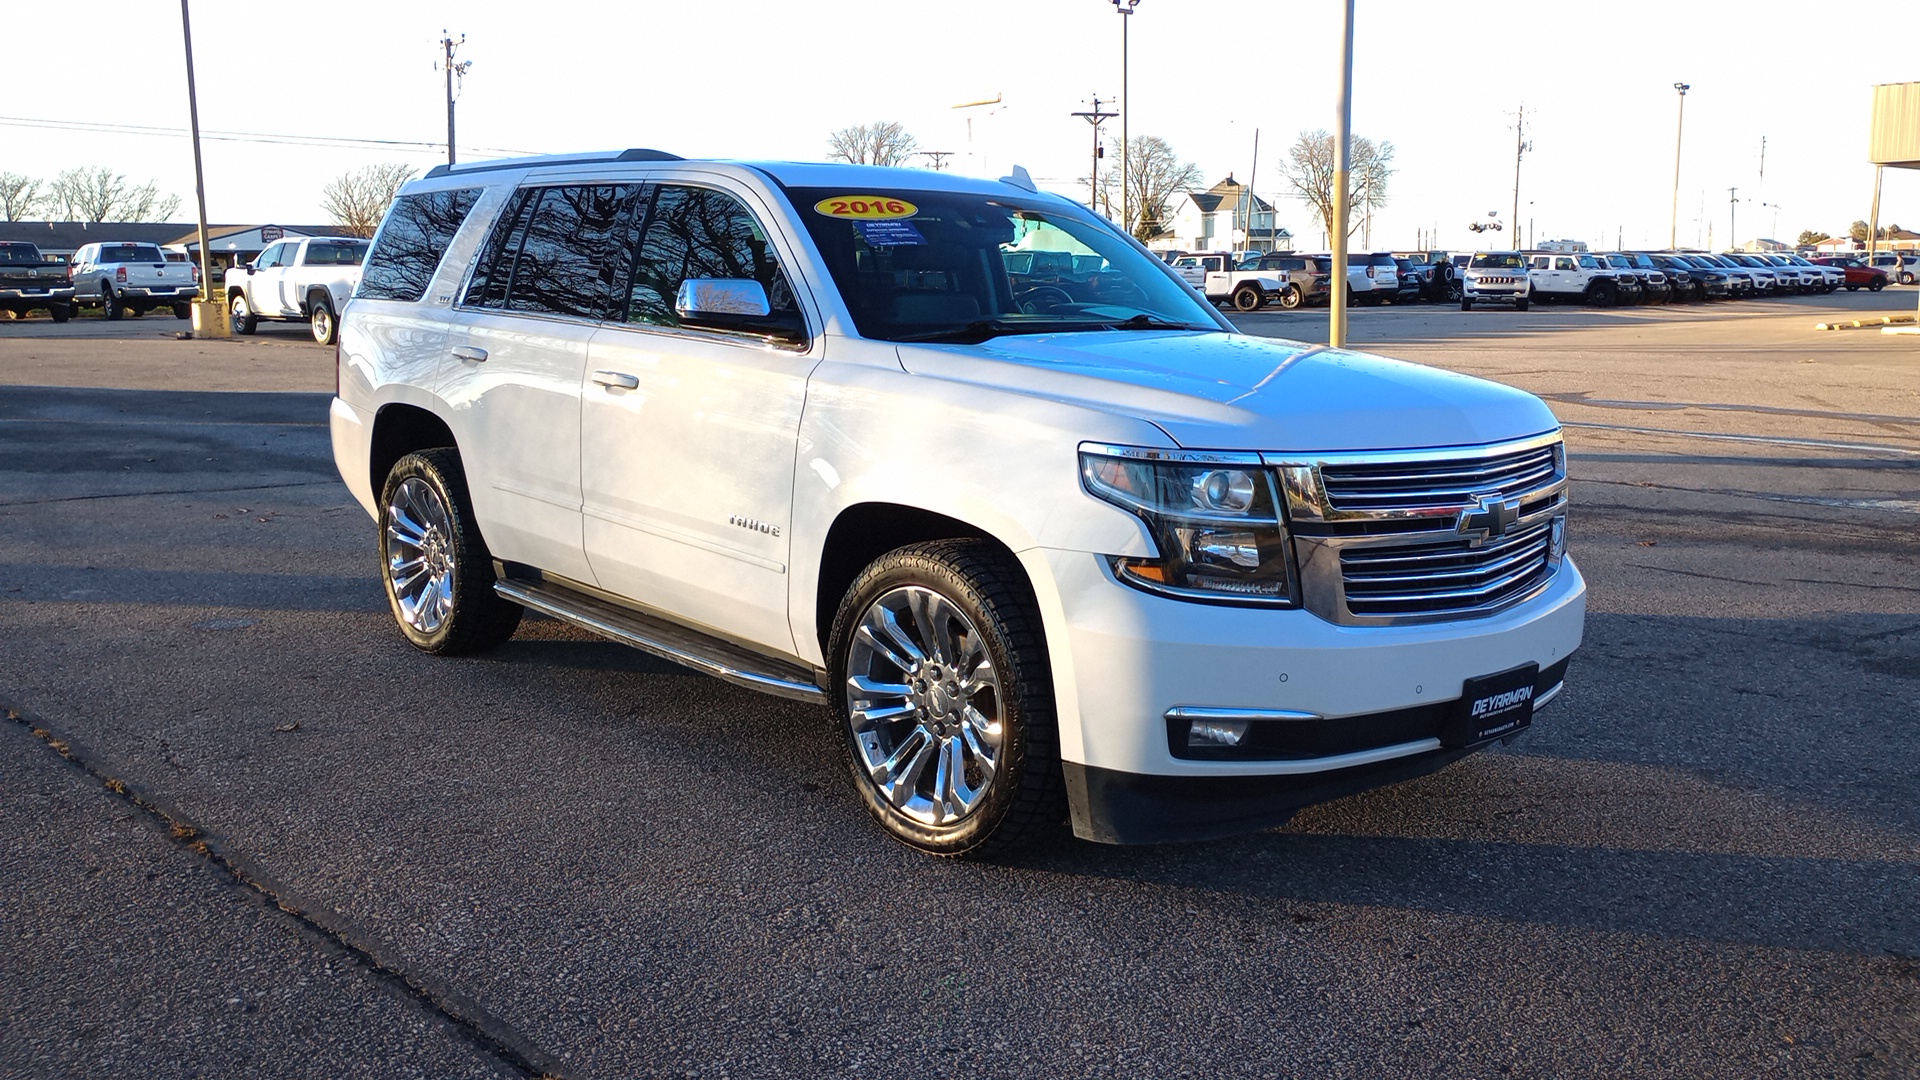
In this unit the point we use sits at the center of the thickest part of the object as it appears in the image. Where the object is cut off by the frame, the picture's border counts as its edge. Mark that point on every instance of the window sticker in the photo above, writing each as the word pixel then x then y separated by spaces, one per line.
pixel 889 233
pixel 866 207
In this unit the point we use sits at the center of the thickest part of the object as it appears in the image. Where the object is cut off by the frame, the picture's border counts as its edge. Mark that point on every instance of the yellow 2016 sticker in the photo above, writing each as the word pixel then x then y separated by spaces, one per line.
pixel 865 208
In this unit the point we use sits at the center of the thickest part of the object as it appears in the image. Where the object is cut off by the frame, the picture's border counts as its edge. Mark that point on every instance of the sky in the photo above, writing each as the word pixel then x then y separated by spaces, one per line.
pixel 756 79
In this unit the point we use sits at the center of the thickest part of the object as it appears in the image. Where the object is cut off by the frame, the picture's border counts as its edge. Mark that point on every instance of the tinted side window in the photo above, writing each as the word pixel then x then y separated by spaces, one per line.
pixel 701 233
pixel 411 242
pixel 494 270
pixel 577 251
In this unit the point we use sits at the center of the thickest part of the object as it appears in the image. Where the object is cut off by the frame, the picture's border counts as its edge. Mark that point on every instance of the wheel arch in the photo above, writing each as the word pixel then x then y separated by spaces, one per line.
pixel 317 293
pixel 398 430
pixel 865 531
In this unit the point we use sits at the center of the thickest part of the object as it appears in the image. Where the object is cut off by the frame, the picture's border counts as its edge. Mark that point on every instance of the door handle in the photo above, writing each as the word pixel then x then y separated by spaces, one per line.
pixel 470 352
pixel 620 379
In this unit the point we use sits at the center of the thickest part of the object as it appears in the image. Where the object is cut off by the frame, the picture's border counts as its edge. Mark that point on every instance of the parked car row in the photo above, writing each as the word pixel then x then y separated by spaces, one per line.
pixel 1636 277
pixel 1249 281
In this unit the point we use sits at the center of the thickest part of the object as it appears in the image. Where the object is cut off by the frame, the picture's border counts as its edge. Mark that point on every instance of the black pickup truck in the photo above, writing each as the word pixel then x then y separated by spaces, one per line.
pixel 28 281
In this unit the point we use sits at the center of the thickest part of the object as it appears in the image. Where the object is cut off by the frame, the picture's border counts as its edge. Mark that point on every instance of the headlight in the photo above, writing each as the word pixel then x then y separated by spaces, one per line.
pixel 1214 517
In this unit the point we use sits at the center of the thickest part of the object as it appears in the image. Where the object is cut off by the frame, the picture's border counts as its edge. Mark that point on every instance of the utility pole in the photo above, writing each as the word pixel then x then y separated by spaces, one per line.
pixel 1342 165
pixel 1733 220
pixel 939 158
pixel 208 320
pixel 447 45
pixel 1520 148
pixel 1679 129
pixel 1873 226
pixel 1247 195
pixel 1095 118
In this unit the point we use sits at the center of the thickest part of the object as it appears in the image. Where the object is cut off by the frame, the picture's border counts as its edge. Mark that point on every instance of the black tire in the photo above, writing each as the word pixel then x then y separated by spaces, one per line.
pixel 1466 304
pixel 476 618
pixel 1602 294
pixel 1906 277
pixel 183 311
pixel 240 311
pixel 1024 799
pixel 1876 284
pixel 110 303
pixel 1248 297
pixel 61 312
pixel 1520 305
pixel 136 310
pixel 326 328
pixel 1290 297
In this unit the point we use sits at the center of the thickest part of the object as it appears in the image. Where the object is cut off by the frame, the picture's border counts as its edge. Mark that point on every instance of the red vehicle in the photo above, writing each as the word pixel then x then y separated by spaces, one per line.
pixel 1858 273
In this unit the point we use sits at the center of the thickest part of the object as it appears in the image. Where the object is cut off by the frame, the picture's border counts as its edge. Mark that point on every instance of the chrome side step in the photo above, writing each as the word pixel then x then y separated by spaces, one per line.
pixel 667 640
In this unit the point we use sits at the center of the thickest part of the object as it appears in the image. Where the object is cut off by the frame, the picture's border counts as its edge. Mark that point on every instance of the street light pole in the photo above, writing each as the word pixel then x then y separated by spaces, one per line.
pixel 1342 165
pixel 1673 230
pixel 1125 8
pixel 208 320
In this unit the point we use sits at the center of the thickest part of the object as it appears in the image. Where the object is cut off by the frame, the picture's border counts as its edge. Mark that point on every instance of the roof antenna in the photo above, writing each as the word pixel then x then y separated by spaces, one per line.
pixel 1020 179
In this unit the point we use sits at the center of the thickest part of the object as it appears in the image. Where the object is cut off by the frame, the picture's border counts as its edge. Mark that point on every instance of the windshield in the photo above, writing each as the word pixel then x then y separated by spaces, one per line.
pixel 336 253
pixel 1505 261
pixel 19 253
pixel 940 265
pixel 1620 261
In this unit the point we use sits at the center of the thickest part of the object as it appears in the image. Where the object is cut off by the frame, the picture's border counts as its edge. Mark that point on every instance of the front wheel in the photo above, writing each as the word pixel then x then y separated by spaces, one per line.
pixel 941 684
pixel 1466 304
pixel 1248 298
pixel 326 328
pixel 1877 284
pixel 437 570
pixel 243 319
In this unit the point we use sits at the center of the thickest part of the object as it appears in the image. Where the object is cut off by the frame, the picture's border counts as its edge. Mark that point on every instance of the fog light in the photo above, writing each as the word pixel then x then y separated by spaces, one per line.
pixel 1216 732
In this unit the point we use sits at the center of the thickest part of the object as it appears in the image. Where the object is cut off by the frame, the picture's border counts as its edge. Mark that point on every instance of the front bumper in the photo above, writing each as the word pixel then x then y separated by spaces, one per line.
pixel 1123 659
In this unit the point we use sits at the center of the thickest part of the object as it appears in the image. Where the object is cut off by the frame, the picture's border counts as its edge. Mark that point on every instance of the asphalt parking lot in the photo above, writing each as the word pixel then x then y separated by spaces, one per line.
pixel 249 831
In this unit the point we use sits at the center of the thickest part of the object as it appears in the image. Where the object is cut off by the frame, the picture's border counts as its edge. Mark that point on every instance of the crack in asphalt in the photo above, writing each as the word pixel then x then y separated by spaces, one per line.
pixel 1583 397
pixel 1769 440
pixel 487 1033
pixel 181 491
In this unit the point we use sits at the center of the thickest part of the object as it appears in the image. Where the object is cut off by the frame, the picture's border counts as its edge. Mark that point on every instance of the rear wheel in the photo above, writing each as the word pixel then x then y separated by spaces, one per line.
pixel 1290 297
pixel 110 302
pixel 182 311
pixel 61 312
pixel 326 328
pixel 941 683
pixel 437 570
pixel 1248 298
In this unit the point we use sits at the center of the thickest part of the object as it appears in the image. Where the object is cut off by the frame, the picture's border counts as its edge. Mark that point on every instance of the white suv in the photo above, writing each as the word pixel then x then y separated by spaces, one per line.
pixel 1050 540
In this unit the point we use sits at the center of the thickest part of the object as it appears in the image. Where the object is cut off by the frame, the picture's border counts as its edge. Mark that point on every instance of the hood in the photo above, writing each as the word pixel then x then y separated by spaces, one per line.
pixel 1222 391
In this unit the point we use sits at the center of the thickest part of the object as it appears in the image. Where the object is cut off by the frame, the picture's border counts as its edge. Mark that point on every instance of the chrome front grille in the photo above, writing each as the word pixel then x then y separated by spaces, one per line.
pixel 1421 536
pixel 1416 485
pixel 1452 577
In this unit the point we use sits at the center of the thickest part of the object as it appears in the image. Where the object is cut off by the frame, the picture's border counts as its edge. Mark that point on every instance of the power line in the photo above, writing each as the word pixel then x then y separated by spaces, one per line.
pixel 281 138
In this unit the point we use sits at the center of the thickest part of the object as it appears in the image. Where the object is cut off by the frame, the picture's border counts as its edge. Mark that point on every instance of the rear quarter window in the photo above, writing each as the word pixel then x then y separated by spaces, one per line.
pixel 412 241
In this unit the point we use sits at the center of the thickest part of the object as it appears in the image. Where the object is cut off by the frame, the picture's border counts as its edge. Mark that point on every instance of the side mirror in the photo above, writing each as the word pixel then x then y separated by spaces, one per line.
pixel 250 268
pixel 728 298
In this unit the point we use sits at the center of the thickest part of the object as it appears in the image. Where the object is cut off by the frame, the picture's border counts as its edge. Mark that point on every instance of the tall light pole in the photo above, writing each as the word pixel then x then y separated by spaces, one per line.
pixel 1342 166
pixel 1520 148
pixel 1125 8
pixel 1673 230
pixel 208 320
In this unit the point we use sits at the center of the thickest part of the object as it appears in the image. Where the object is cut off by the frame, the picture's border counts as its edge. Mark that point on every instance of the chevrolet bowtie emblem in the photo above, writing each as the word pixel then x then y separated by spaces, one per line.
pixel 1488 518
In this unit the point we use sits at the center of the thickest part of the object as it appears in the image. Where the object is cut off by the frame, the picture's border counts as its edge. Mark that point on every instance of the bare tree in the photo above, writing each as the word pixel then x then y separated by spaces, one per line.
pixel 19 195
pixel 357 200
pixel 883 142
pixel 1155 178
pixel 100 194
pixel 1309 167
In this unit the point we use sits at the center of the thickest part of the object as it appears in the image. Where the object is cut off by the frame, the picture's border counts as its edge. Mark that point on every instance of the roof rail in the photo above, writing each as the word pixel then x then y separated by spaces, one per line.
pixel 636 154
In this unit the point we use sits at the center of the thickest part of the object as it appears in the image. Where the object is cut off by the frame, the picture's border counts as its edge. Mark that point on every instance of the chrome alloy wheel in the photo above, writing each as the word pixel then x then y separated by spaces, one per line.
pixel 925 705
pixel 420 555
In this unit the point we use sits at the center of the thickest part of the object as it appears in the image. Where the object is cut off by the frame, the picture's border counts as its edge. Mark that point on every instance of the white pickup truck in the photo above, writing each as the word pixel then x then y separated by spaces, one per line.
pixel 1044 547
pixel 1213 274
pixel 299 280
pixel 132 279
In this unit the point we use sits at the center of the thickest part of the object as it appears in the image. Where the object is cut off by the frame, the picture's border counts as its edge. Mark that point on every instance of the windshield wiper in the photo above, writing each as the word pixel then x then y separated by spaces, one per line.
pixel 982 329
pixel 1144 321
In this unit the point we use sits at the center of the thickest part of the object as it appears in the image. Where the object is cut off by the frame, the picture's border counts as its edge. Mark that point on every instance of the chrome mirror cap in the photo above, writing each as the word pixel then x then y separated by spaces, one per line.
pixel 722 296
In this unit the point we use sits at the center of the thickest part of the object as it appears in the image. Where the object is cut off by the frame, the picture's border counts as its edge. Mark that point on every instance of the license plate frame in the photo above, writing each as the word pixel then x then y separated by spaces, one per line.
pixel 1492 707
